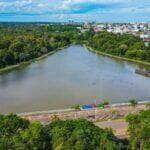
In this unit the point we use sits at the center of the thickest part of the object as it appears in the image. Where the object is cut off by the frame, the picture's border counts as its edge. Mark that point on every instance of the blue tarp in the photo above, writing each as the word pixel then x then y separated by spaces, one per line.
pixel 86 106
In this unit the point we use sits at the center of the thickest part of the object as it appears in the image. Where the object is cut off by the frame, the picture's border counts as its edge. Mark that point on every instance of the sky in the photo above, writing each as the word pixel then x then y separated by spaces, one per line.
pixel 76 10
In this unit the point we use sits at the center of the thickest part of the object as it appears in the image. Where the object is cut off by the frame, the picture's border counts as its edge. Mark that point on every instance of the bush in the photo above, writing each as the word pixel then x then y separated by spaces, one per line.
pixel 133 102
pixel 76 107
pixel 139 130
pixel 10 125
pixel 34 137
pixel 19 134
pixel 106 102
pixel 80 135
pixel 148 105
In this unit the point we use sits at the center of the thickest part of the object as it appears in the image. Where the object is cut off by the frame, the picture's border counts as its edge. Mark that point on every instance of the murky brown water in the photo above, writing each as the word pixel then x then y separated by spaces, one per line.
pixel 70 76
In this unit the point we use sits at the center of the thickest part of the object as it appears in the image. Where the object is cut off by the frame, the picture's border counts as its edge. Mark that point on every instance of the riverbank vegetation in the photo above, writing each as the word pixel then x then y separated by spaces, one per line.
pixel 17 133
pixel 139 130
pixel 125 45
pixel 24 42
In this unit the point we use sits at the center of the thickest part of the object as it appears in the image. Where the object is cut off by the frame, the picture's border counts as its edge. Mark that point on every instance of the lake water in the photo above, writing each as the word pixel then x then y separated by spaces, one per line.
pixel 70 76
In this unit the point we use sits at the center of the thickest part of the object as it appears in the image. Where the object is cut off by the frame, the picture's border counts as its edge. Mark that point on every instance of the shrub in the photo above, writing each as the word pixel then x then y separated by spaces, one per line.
pixel 81 135
pixel 139 130
pixel 76 107
pixel 148 105
pixel 133 102
pixel 106 102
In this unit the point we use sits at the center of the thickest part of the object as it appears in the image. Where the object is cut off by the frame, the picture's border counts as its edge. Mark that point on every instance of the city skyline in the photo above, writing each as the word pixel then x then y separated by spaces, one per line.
pixel 76 10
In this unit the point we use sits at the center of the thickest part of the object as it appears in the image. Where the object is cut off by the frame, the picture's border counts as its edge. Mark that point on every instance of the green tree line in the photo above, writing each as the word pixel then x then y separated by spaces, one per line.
pixel 26 41
pixel 123 45
pixel 23 42
pixel 19 134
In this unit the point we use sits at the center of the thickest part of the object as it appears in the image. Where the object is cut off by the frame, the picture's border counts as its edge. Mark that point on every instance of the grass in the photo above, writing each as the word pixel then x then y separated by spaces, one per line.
pixel 13 67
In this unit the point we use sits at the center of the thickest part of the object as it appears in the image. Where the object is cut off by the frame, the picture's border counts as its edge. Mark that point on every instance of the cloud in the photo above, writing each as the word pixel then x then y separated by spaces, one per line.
pixel 76 9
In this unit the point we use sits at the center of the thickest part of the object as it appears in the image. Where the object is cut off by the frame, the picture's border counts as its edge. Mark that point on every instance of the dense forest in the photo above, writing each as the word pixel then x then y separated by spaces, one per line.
pixel 125 45
pixel 26 41
pixel 23 42
pixel 20 134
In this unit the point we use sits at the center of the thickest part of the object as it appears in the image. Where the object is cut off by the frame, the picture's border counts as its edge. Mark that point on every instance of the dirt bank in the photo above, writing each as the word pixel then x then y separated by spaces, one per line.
pixel 95 115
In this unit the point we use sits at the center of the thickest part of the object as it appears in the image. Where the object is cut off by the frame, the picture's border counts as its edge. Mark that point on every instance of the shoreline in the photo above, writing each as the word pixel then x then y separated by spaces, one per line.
pixel 17 66
pixel 22 64
pixel 13 67
pixel 72 109
pixel 94 115
pixel 112 117
pixel 146 64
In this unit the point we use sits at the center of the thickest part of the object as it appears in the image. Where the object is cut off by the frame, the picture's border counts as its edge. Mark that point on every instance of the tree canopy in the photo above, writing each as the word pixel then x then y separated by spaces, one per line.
pixel 19 134
pixel 123 45
pixel 139 130
pixel 81 135
pixel 23 42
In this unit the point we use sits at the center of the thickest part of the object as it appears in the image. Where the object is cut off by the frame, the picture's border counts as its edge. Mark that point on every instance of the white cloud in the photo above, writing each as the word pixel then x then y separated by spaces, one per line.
pixel 76 9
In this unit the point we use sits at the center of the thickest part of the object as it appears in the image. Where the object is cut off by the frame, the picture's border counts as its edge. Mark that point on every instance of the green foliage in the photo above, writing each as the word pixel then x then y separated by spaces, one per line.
pixel 80 135
pixel 76 106
pixel 35 137
pixel 133 102
pixel 148 105
pixel 19 134
pixel 23 42
pixel 139 130
pixel 125 45
pixel 10 125
pixel 105 102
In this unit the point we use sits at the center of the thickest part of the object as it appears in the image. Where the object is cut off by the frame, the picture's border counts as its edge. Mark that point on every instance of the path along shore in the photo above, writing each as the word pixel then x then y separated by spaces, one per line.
pixel 113 112
pixel 112 117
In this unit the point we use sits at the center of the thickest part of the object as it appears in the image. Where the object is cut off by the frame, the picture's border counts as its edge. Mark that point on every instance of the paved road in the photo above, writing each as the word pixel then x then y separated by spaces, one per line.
pixel 118 126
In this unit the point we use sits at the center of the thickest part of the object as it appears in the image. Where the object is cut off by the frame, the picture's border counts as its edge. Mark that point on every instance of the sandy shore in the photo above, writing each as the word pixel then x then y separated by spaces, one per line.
pixel 115 111
pixel 112 117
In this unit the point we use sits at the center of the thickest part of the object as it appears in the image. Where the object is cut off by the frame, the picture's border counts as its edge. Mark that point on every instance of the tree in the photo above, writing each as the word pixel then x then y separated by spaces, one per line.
pixel 131 54
pixel 25 42
pixel 80 134
pixel 133 102
pixel 10 125
pixel 9 58
pixel 35 137
pixel 123 48
pixel 139 130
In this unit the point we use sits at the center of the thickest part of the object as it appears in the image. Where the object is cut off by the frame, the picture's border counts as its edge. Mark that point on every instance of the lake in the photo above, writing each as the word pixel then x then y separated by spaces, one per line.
pixel 71 76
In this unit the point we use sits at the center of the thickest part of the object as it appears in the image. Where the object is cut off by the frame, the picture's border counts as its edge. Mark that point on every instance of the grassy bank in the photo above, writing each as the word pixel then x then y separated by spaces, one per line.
pixel 50 53
pixel 13 67
pixel 147 64
pixel 23 64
